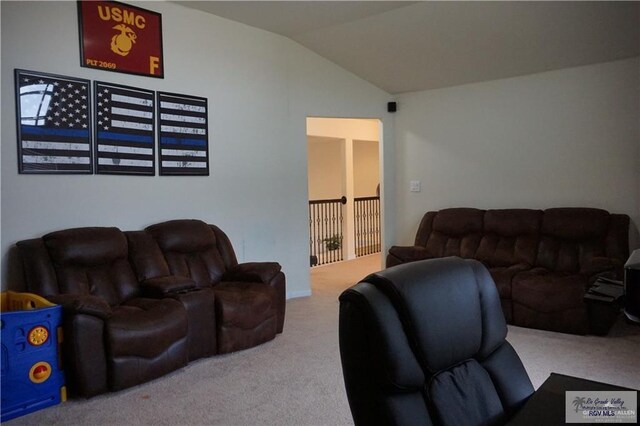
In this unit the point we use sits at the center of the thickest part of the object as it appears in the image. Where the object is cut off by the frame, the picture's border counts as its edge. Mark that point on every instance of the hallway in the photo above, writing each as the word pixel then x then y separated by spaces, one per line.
pixel 337 277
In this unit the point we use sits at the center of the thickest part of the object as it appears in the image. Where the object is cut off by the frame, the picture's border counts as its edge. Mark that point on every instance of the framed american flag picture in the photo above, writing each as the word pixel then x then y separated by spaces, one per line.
pixel 183 135
pixel 53 123
pixel 124 130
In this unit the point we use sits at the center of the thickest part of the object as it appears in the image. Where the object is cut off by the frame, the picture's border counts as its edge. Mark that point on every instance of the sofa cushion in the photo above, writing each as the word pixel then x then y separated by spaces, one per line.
pixel 497 250
pixel 145 256
pixel 550 300
pixel 503 276
pixel 569 256
pixel 145 327
pixel 512 222
pixel 509 237
pixel 145 339
pixel 86 246
pixel 548 291
pixel 575 223
pixel 115 282
pixel 571 237
pixel 183 236
pixel 92 261
pixel 455 232
pixel 458 221
pixel 190 249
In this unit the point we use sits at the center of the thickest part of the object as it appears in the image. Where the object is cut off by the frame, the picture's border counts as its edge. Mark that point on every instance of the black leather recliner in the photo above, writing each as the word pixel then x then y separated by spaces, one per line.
pixel 424 344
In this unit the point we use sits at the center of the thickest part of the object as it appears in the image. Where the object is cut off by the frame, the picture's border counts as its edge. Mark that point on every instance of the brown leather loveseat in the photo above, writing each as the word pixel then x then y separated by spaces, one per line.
pixel 140 304
pixel 541 261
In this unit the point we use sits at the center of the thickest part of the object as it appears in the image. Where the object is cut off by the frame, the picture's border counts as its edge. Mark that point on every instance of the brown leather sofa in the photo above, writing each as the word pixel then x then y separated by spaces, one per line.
pixel 542 261
pixel 249 297
pixel 140 304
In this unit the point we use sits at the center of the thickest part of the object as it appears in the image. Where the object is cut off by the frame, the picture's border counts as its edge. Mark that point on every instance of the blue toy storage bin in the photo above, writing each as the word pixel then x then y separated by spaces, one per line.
pixel 31 367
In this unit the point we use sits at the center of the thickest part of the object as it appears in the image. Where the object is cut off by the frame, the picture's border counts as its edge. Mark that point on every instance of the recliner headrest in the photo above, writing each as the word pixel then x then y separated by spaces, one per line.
pixel 458 221
pixel 449 308
pixel 576 223
pixel 513 222
pixel 86 246
pixel 184 236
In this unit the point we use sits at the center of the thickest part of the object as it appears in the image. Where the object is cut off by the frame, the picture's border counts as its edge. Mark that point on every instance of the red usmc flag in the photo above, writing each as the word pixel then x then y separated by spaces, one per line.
pixel 118 37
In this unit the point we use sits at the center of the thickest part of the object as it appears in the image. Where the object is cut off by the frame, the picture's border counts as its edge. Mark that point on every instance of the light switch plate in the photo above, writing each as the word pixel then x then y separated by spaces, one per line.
pixel 414 186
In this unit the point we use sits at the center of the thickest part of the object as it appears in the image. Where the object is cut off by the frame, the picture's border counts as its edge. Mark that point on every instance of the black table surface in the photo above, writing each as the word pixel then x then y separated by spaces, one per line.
pixel 547 405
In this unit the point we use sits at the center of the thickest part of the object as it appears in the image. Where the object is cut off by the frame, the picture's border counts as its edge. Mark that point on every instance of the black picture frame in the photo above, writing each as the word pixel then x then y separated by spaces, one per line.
pixel 124 132
pixel 53 123
pixel 183 134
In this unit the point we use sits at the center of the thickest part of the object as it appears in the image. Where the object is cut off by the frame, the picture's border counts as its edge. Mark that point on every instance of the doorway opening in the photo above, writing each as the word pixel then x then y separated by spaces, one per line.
pixel 344 175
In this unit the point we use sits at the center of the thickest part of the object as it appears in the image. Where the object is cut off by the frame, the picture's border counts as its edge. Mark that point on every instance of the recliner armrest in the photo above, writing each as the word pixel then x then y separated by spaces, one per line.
pixel 82 304
pixel 163 286
pixel 253 272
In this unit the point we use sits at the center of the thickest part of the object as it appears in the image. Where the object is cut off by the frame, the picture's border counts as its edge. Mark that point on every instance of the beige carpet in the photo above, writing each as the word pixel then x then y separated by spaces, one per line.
pixel 296 379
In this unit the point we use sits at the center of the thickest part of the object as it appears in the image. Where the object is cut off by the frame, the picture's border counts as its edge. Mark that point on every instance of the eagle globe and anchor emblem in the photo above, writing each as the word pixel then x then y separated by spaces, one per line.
pixel 123 42
pixel 123 29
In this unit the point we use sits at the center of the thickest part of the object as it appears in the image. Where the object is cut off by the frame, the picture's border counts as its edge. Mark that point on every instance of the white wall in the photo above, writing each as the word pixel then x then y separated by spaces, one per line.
pixel 560 138
pixel 344 128
pixel 366 169
pixel 326 156
pixel 363 135
pixel 260 86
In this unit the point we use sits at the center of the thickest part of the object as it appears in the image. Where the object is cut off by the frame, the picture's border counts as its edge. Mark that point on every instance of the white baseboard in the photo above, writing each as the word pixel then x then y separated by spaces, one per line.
pixel 299 293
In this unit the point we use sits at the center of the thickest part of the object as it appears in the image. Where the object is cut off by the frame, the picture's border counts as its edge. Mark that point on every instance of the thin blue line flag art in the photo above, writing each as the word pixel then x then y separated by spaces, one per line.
pixel 183 135
pixel 54 123
pixel 124 130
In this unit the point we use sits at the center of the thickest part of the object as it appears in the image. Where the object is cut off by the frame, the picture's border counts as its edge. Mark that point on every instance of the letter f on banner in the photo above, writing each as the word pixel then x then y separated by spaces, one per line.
pixel 153 64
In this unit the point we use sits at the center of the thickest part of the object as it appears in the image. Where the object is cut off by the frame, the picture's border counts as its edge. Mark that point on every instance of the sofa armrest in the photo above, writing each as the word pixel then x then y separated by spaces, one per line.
pixel 409 253
pixel 82 304
pixel 163 286
pixel 599 264
pixel 253 272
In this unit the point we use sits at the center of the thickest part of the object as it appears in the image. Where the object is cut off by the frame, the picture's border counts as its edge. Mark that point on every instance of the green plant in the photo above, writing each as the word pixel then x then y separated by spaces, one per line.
pixel 333 243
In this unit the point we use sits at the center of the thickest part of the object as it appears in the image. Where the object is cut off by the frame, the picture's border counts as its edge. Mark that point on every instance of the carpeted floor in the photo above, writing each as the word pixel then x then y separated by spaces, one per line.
pixel 296 379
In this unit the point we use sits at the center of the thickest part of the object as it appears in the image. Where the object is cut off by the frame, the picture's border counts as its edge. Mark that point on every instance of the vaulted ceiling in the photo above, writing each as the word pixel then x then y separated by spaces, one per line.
pixel 403 46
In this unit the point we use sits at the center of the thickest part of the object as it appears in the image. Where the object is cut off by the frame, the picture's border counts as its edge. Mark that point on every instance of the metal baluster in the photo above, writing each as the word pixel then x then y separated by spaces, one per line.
pixel 363 229
pixel 336 222
pixel 339 232
pixel 316 212
pixel 355 226
pixel 356 209
pixel 310 233
pixel 325 227
pixel 367 226
pixel 379 228
pixel 359 226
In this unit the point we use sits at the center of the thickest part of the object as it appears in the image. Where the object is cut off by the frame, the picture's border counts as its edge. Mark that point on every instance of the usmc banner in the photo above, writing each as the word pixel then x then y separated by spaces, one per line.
pixel 118 37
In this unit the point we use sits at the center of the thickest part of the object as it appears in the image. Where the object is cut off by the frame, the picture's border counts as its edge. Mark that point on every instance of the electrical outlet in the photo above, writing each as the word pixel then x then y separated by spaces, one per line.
pixel 414 186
